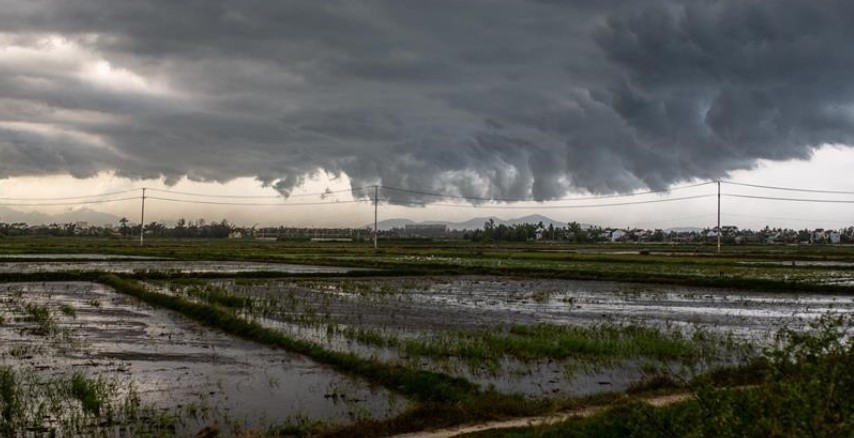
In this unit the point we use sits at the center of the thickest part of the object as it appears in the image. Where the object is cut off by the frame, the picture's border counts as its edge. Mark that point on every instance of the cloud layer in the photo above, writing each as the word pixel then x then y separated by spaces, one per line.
pixel 509 98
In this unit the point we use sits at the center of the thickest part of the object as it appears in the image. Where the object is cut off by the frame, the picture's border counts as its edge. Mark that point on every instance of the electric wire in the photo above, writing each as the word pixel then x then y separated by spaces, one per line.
pixel 789 189
pixel 587 198
pixel 68 198
pixel 55 204
pixel 204 195
pixel 772 198
pixel 280 204
pixel 518 207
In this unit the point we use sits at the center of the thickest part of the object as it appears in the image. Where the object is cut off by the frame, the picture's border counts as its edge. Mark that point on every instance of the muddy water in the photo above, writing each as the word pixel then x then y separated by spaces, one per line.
pixel 417 306
pixel 465 303
pixel 178 365
pixel 176 266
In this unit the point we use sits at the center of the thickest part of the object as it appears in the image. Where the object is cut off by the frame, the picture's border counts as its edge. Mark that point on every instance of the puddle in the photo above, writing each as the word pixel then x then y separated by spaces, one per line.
pixel 174 266
pixel 177 365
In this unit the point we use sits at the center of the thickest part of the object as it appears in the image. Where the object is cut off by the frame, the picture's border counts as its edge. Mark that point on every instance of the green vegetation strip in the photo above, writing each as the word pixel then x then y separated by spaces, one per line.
pixel 443 400
pixel 594 344
pixel 806 388
pixel 690 265
pixel 74 405
pixel 546 341
pixel 423 385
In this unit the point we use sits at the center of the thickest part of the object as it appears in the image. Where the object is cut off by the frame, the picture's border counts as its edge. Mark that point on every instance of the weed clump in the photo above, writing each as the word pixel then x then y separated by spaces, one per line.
pixel 91 393
pixel 75 405
pixel 805 388
pixel 42 317
pixel 10 404
pixel 68 310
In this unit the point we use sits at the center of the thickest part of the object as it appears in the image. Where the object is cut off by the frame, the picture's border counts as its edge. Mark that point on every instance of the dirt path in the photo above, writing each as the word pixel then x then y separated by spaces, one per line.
pixel 537 421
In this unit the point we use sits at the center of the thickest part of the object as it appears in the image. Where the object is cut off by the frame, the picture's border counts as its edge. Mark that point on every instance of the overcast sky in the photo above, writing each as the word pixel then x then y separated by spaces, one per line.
pixel 528 99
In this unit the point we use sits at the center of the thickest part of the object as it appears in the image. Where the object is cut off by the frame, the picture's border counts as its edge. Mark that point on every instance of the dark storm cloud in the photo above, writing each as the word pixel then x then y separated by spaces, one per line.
pixel 511 99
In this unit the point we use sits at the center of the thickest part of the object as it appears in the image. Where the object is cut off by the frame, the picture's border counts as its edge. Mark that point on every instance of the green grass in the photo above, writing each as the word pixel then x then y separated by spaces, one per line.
pixel 92 393
pixel 75 405
pixel 423 385
pixel 584 345
pixel 805 388
pixel 594 345
pixel 10 403
pixel 42 317
pixel 695 265
pixel 442 400
pixel 68 310
pixel 546 341
pixel 811 394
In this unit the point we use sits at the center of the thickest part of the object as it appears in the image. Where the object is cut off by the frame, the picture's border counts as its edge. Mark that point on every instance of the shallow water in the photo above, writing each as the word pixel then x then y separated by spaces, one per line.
pixel 477 302
pixel 175 363
pixel 167 266
pixel 403 307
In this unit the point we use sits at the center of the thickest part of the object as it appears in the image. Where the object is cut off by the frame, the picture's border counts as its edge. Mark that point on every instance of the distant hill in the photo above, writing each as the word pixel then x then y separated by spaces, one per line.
pixel 388 224
pixel 474 223
pixel 93 217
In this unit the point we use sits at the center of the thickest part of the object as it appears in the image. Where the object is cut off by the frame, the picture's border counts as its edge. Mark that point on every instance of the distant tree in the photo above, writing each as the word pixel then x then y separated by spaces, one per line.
pixel 575 232
pixel 124 226
pixel 155 228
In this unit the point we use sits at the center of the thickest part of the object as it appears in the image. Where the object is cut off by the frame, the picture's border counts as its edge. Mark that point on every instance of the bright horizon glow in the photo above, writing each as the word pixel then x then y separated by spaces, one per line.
pixel 827 169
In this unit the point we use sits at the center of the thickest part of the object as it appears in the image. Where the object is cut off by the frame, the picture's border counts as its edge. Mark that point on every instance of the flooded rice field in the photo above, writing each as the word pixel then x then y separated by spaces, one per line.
pixel 164 266
pixel 150 363
pixel 471 303
pixel 535 337
pixel 76 350
pixel 77 256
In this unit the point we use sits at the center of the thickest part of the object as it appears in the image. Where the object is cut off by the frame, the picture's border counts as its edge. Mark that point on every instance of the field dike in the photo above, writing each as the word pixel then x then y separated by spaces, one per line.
pixel 540 420
pixel 442 400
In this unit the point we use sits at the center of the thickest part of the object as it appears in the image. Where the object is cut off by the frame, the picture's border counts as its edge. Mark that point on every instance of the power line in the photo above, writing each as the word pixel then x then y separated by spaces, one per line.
pixel 54 204
pixel 588 198
pixel 789 189
pixel 204 195
pixel 281 204
pixel 517 207
pixel 771 198
pixel 68 198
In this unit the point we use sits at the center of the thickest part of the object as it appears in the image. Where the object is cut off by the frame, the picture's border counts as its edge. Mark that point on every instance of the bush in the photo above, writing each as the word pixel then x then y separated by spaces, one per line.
pixel 806 388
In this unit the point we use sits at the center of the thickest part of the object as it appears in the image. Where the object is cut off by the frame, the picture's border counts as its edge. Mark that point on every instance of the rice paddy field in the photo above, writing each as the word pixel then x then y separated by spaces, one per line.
pixel 234 338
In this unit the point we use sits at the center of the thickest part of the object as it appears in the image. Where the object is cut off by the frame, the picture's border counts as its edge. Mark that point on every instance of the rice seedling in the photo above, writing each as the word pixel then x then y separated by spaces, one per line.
pixel 68 310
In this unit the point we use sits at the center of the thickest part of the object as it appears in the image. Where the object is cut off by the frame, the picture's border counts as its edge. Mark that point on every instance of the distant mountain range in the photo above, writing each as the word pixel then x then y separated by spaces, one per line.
pixel 93 217
pixel 474 223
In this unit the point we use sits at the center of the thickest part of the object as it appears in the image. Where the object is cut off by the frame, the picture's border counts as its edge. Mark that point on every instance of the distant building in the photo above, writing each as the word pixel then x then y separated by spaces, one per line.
pixel 426 231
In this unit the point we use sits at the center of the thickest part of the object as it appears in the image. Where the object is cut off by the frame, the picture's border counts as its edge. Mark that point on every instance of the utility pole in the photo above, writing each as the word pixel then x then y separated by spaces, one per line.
pixel 719 216
pixel 142 220
pixel 376 207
